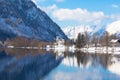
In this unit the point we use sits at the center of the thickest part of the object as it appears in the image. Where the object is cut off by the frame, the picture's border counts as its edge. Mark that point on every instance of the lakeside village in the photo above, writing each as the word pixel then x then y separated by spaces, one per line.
pixel 104 44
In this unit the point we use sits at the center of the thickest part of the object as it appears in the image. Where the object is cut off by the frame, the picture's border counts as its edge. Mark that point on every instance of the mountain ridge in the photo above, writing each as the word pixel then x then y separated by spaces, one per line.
pixel 23 18
pixel 112 28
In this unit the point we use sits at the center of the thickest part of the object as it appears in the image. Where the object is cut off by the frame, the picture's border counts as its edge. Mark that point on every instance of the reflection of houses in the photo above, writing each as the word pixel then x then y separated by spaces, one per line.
pixel 59 47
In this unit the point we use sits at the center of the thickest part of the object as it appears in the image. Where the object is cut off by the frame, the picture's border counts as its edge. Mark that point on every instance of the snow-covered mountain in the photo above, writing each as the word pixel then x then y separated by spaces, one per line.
pixel 23 18
pixel 72 32
pixel 112 28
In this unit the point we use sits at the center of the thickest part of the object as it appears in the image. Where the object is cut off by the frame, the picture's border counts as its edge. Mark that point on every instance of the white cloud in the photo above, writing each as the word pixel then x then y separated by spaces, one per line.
pixel 78 14
pixel 115 6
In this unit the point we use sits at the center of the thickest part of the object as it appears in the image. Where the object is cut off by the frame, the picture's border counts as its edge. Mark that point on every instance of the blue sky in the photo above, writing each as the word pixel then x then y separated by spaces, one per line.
pixel 77 12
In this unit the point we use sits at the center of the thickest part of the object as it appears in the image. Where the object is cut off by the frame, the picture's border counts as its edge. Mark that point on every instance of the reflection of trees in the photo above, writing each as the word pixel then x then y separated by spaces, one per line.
pixel 68 54
pixel 105 60
pixel 81 58
pixel 101 59
pixel 76 58
pixel 20 52
pixel 94 59
pixel 30 67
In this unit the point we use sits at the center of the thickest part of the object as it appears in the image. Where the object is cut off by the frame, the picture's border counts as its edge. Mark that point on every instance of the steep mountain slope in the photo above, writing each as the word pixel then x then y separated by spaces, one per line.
pixel 114 28
pixel 23 18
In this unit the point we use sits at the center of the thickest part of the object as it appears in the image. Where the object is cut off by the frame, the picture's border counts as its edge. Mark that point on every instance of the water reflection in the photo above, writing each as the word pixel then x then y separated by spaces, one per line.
pixel 17 64
pixel 86 66
pixel 81 59
pixel 25 64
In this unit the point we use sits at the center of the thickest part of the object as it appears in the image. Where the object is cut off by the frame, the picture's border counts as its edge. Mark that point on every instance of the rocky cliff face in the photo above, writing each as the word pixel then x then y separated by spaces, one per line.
pixel 23 18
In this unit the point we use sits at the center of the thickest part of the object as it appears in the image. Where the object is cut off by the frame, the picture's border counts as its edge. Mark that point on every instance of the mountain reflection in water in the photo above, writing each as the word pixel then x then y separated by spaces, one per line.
pixel 25 64
pixel 18 65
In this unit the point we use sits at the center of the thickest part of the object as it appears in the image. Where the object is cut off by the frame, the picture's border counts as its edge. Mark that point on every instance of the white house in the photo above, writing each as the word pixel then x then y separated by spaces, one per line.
pixel 59 41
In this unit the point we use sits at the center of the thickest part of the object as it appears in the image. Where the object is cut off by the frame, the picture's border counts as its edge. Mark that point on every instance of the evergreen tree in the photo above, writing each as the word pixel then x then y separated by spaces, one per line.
pixel 80 41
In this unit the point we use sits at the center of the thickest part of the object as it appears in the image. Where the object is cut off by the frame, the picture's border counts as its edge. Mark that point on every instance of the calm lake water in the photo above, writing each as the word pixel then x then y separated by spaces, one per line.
pixel 22 64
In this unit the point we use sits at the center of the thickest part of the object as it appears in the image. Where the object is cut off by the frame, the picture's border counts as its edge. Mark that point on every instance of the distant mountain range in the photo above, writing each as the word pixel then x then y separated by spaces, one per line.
pixel 23 18
pixel 112 28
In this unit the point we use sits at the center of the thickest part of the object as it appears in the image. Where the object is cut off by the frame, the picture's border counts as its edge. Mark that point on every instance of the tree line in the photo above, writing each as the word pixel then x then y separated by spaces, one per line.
pixel 25 42
pixel 96 39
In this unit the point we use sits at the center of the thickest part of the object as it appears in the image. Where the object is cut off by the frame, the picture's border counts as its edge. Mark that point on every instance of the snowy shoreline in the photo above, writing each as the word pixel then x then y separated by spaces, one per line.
pixel 63 48
pixel 109 50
